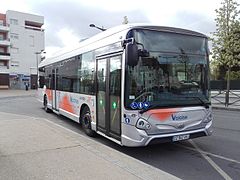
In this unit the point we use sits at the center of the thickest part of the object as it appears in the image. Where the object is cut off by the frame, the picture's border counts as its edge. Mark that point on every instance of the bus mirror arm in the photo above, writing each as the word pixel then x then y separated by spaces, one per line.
pixel 127 41
pixel 143 53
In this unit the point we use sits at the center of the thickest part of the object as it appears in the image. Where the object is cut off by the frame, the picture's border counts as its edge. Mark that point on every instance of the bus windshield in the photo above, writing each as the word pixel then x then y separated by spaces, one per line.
pixel 174 74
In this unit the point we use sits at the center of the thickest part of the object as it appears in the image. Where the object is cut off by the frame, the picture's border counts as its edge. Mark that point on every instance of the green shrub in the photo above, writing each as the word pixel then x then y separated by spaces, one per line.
pixel 234 75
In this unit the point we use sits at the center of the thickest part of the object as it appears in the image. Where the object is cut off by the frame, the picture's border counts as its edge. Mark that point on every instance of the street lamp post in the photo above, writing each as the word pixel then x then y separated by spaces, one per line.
pixel 93 25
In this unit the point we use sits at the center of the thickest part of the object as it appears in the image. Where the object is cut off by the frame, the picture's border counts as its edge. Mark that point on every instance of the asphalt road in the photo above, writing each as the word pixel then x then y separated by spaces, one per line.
pixel 214 157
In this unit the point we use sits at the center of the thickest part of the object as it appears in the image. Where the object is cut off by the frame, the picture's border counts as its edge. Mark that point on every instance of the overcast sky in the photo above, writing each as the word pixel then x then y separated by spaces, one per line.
pixel 67 21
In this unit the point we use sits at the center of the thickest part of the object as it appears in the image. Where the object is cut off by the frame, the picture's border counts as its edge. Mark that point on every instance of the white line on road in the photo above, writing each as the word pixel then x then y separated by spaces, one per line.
pixel 211 162
pixel 211 154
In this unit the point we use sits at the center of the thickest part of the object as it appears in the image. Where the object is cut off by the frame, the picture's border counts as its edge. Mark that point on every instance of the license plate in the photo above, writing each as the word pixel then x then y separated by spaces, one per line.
pixel 181 137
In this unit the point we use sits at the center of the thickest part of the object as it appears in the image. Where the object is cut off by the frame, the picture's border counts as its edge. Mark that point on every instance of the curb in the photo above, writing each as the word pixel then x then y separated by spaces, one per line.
pixel 19 96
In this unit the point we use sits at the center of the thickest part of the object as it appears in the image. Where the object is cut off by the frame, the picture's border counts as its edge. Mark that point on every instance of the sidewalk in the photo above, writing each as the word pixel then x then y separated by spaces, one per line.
pixel 35 148
pixel 16 93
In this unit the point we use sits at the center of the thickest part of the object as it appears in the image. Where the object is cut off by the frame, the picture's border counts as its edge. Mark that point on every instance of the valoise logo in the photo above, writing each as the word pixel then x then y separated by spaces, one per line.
pixel 179 117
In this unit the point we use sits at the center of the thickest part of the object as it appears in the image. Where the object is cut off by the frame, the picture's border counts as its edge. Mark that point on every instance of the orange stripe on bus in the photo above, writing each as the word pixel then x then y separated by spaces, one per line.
pixel 49 94
pixel 163 114
pixel 66 105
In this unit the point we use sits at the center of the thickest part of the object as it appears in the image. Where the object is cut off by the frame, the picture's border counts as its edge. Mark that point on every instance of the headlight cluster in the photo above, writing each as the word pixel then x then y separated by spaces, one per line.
pixel 208 118
pixel 143 124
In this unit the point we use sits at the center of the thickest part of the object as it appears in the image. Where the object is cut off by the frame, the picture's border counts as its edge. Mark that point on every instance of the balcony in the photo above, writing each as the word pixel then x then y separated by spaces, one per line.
pixel 4 28
pixel 4 42
pixel 37 26
pixel 5 56
pixel 34 28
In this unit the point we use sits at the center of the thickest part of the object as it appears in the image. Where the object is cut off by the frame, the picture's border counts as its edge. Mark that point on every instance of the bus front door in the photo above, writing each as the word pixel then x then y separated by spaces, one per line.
pixel 109 96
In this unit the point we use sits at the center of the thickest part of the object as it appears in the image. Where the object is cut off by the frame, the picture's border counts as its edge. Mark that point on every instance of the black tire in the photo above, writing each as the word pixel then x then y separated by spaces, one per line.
pixel 45 105
pixel 86 122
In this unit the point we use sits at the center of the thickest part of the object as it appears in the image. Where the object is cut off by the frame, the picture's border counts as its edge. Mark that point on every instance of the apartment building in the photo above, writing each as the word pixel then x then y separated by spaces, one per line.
pixel 4 52
pixel 21 44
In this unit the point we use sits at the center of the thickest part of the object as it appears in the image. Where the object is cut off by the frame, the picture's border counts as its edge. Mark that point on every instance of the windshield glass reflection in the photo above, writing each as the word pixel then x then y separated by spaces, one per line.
pixel 174 78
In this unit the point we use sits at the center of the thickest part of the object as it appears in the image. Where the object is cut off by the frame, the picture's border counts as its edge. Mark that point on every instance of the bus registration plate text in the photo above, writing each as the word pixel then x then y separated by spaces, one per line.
pixel 180 137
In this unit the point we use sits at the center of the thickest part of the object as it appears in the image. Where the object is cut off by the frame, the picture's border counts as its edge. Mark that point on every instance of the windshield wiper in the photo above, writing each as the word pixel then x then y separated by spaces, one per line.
pixel 189 82
pixel 148 93
pixel 205 104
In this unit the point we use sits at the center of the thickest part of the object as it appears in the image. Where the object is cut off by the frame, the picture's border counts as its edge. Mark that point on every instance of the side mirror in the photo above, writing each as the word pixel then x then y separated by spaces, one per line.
pixel 132 54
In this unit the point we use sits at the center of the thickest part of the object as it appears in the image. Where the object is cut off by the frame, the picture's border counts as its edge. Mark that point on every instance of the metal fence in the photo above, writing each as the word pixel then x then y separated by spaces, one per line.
pixel 220 94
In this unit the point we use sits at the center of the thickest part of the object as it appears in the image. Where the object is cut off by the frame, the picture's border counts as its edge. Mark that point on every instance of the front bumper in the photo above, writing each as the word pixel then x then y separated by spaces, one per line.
pixel 134 137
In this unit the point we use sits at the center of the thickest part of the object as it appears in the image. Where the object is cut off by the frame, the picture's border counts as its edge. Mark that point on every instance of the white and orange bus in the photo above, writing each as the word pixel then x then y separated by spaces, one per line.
pixel 133 84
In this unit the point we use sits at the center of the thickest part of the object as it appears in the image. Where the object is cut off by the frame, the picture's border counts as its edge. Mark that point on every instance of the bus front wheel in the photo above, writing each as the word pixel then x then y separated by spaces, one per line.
pixel 86 122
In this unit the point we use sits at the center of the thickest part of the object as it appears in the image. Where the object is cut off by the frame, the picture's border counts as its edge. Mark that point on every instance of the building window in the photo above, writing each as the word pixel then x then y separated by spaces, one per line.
pixel 14 36
pixel 31 39
pixel 2 50
pixel 1 37
pixel 14 21
pixel 1 22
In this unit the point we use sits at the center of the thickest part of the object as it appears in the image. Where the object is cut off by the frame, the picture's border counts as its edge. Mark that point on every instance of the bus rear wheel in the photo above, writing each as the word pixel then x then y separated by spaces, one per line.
pixel 86 122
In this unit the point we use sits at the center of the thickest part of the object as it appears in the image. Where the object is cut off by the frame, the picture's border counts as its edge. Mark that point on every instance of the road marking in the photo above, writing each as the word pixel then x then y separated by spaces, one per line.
pixel 211 154
pixel 211 162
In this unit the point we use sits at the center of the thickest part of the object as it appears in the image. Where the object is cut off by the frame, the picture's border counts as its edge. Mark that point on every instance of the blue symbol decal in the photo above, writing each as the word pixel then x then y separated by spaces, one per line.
pixel 127 120
pixel 146 105
pixel 140 105
pixel 134 105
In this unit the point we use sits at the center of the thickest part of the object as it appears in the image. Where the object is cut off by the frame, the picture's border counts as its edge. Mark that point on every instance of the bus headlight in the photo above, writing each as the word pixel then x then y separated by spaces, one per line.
pixel 208 118
pixel 143 124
